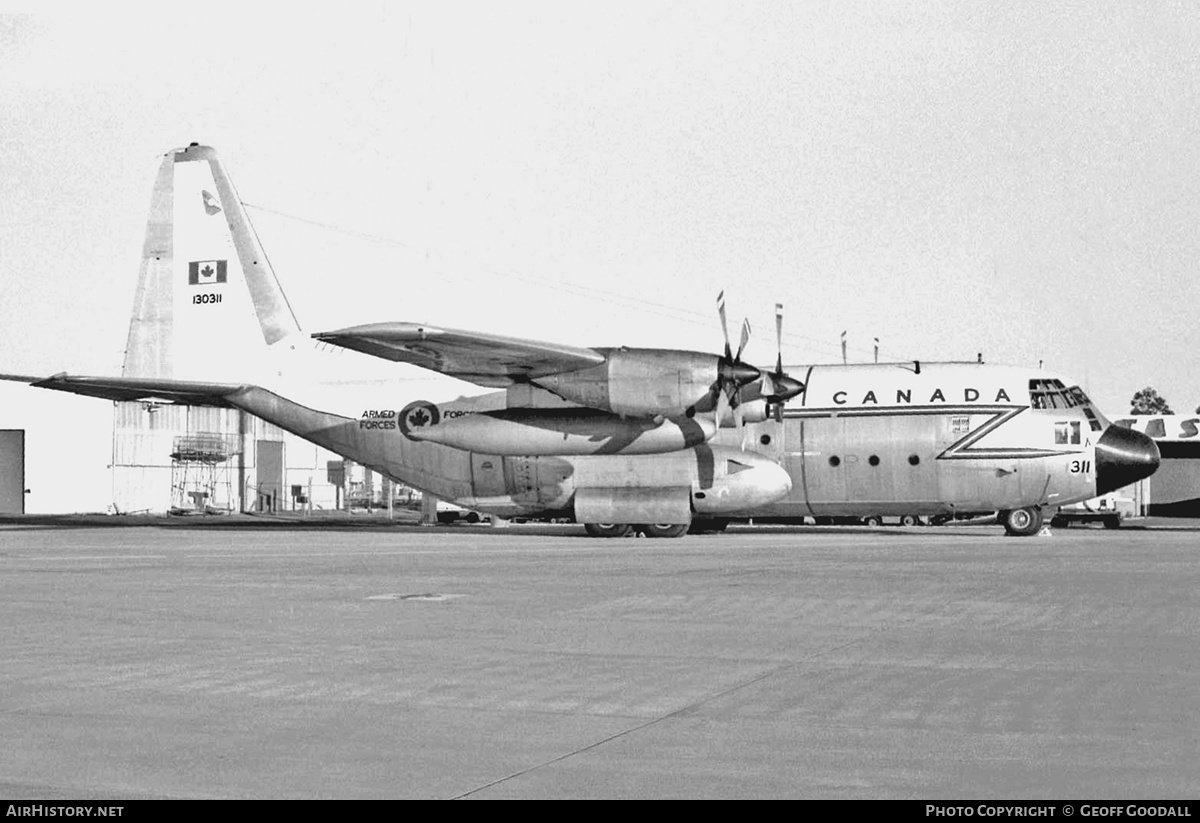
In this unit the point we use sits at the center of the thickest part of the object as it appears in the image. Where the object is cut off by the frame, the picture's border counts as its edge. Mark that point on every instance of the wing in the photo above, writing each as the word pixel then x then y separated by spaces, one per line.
pixel 483 359
pixel 146 389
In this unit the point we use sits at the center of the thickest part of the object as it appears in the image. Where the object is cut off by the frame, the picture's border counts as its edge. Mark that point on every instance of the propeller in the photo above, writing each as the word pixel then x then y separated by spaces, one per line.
pixel 777 386
pixel 732 372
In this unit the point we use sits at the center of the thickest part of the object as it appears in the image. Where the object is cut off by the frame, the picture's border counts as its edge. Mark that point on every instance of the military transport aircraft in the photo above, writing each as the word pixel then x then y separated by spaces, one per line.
pixel 618 438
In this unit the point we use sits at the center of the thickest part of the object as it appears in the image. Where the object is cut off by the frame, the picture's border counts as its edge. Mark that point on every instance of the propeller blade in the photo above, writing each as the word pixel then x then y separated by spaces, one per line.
pixel 732 373
pixel 778 387
pixel 722 406
pixel 724 325
pixel 779 338
pixel 745 338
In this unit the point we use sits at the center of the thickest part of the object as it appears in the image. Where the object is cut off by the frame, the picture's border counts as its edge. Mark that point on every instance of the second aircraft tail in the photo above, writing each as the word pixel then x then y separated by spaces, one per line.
pixel 208 304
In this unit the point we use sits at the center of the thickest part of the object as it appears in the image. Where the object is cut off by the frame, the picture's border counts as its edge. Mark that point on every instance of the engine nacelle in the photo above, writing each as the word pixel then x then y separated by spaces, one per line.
pixel 640 382
pixel 710 480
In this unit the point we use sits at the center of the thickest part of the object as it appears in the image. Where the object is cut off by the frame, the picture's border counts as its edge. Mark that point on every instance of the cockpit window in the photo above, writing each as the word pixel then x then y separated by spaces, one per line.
pixel 1047 394
pixel 1052 394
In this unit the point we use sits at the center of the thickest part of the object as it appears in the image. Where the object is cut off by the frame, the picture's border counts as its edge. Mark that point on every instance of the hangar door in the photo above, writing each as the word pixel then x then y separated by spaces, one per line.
pixel 12 471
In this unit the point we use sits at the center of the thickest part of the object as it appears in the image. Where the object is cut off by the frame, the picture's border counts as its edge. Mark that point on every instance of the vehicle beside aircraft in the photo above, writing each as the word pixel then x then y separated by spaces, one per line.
pixel 616 438
pixel 1110 509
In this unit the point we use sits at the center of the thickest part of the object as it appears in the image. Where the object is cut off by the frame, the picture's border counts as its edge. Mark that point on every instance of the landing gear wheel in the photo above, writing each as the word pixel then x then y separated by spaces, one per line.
pixel 607 529
pixel 1022 522
pixel 664 529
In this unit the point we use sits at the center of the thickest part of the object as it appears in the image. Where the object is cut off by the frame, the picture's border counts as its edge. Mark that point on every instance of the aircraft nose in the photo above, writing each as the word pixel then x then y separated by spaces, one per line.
pixel 1123 456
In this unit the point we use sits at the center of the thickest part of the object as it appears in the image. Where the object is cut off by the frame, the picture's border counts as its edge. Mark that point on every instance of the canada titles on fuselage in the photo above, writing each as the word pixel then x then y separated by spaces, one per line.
pixel 904 397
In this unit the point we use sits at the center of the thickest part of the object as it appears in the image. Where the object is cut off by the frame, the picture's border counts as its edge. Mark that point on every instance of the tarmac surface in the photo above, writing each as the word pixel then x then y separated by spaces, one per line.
pixel 242 658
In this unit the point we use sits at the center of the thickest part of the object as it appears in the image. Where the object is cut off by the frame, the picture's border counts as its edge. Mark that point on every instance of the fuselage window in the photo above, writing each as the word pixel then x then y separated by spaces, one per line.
pixel 1067 433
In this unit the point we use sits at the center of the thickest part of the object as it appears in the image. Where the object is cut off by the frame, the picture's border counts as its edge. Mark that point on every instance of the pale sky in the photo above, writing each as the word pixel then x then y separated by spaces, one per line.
pixel 1012 178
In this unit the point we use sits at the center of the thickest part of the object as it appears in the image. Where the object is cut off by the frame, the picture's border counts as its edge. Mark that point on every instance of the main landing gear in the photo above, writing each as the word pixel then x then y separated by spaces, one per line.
pixel 1022 522
pixel 648 529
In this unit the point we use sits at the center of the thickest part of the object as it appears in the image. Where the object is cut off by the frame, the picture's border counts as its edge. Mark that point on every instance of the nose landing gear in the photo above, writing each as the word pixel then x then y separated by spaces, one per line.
pixel 1022 522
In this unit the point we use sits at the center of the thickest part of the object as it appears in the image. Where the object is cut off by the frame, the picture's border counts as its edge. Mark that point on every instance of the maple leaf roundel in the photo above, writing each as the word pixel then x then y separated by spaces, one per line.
pixel 419 415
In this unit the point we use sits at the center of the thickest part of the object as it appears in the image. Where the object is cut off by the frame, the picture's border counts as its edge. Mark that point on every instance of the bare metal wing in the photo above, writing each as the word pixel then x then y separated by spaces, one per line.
pixel 146 389
pixel 483 359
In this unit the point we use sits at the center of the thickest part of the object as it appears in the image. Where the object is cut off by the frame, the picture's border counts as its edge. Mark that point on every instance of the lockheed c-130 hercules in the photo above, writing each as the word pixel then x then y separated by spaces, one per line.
pixel 618 438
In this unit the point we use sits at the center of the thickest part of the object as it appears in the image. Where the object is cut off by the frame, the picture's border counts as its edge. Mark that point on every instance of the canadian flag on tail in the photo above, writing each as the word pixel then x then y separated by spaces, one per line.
pixel 207 272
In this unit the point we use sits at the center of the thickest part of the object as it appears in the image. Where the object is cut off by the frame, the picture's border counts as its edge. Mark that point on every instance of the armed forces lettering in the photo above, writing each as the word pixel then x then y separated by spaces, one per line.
pixel 377 419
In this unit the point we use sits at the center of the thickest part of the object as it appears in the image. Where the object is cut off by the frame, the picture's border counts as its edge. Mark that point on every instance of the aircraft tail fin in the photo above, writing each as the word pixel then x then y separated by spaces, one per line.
pixel 208 303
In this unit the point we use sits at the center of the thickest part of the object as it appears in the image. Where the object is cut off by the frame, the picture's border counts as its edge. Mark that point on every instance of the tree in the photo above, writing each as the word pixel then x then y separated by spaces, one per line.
pixel 1148 401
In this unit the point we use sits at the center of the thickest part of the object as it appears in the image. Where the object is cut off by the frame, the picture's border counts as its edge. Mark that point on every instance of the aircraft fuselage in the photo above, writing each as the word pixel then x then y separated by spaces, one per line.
pixel 928 439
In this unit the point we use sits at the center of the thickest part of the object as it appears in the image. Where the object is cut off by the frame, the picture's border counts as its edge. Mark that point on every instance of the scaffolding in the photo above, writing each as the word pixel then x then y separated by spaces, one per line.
pixel 202 474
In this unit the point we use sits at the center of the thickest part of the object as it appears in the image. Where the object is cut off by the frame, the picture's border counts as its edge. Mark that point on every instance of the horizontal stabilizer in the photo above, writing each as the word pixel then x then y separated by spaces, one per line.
pixel 137 389
pixel 483 359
